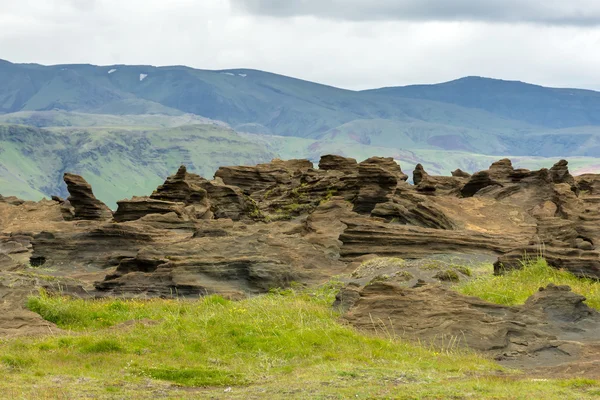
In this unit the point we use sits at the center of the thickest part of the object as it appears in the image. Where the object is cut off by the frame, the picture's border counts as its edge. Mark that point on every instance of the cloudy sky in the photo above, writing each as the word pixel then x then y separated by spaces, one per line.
pixel 353 44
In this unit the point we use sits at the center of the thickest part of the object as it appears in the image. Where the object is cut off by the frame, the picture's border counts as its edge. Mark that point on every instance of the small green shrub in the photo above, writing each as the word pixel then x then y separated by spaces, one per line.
pixel 463 270
pixel 214 300
pixel 102 346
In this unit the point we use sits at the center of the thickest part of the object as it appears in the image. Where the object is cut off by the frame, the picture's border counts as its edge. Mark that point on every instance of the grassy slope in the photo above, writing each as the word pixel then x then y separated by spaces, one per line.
pixel 122 156
pixel 282 345
pixel 45 119
pixel 118 162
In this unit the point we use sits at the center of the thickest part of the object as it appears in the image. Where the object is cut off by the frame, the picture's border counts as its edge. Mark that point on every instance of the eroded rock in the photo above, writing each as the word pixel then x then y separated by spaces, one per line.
pixel 85 205
pixel 540 333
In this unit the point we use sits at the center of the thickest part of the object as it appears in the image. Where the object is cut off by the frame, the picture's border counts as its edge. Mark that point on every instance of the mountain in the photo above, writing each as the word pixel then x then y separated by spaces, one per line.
pixel 101 121
pixel 534 104
pixel 476 115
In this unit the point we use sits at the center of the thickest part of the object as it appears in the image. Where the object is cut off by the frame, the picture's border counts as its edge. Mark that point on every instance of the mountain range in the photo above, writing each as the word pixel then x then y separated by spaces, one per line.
pixel 99 120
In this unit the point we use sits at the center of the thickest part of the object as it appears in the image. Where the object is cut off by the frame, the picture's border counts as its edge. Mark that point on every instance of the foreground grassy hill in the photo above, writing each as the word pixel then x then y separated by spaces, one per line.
pixel 287 344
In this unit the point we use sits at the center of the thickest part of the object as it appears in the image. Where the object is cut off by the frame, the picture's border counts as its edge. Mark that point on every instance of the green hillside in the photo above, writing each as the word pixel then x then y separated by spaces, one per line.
pixel 118 162
pixel 129 159
pixel 57 118
pixel 472 114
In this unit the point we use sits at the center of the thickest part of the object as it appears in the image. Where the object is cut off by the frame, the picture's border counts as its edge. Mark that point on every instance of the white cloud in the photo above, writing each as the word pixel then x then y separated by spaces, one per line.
pixel 213 34
pixel 571 12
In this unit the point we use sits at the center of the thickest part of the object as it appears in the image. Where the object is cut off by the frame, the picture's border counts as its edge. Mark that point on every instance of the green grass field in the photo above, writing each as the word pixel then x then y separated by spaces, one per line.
pixel 287 344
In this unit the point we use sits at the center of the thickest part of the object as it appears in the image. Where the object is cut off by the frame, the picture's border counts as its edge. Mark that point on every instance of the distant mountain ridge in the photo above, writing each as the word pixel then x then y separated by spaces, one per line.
pixel 535 104
pixel 470 114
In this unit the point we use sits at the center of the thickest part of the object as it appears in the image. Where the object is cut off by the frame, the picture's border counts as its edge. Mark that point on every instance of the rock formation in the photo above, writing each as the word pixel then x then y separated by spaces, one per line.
pixel 333 162
pixel 252 228
pixel 552 327
pixel 189 196
pixel 85 205
pixel 427 184
pixel 378 178
pixel 262 176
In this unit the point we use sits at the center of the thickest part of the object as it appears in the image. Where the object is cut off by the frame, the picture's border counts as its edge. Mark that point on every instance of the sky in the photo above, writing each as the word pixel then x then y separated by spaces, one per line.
pixel 354 44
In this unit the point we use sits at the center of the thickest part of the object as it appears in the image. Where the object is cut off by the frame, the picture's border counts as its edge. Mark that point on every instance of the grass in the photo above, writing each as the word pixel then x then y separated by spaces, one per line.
pixel 516 286
pixel 286 344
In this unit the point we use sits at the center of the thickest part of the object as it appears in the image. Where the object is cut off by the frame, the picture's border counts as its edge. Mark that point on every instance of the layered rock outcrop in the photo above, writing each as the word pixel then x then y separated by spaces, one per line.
pixel 85 205
pixel 378 178
pixel 333 162
pixel 194 235
pixel 426 183
pixel 263 176
pixel 190 197
pixel 553 327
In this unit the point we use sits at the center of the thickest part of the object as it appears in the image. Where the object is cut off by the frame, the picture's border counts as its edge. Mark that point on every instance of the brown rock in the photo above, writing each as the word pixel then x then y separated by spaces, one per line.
pixel 458 173
pixel 428 184
pixel 559 173
pixel 338 163
pixel 86 206
pixel 262 176
pixel 226 257
pixel 540 333
pixel 377 180
pixel 138 207
pixel 366 236
pixel 12 200
pixel 183 187
pixel 588 183
pixel 413 209
pixel 230 202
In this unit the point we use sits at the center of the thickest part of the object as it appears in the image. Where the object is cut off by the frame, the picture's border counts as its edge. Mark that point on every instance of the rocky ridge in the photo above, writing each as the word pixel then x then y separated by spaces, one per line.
pixel 504 212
